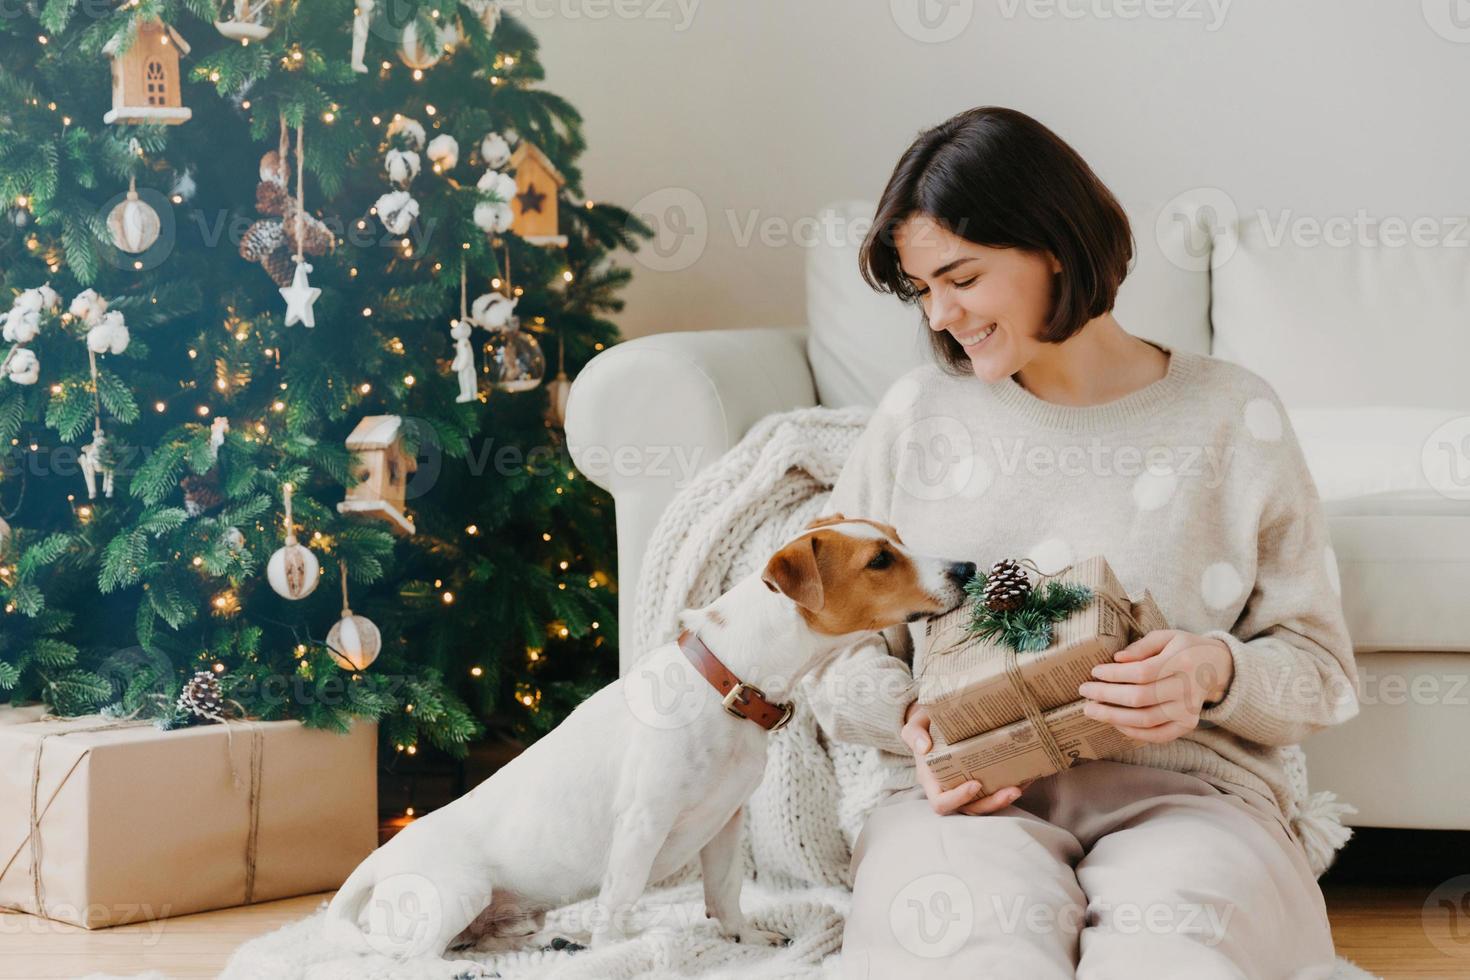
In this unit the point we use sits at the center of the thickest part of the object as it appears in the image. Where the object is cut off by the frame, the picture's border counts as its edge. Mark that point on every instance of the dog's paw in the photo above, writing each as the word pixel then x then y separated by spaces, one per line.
pixel 562 943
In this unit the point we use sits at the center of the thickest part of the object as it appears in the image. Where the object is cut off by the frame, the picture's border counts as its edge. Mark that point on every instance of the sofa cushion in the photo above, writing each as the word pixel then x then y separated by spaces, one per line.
pixel 861 341
pixel 1331 325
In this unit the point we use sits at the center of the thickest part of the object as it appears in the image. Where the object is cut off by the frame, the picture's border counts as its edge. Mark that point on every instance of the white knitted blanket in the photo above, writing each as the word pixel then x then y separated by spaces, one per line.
pixel 804 818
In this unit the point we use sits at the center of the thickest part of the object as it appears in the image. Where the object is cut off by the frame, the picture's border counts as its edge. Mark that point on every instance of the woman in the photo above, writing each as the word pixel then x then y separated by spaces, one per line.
pixel 1047 431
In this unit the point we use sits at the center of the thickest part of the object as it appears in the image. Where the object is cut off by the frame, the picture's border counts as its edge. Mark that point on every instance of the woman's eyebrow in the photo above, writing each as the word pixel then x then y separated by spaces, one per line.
pixel 943 268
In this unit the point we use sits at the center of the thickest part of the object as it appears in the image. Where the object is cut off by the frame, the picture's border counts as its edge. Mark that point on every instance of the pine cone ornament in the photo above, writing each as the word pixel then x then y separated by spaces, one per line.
pixel 1006 586
pixel 261 239
pixel 281 265
pixel 316 237
pixel 201 493
pixel 271 197
pixel 202 697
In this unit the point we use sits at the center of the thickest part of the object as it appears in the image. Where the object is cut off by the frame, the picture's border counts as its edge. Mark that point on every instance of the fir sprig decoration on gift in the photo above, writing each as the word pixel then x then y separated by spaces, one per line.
pixel 1025 625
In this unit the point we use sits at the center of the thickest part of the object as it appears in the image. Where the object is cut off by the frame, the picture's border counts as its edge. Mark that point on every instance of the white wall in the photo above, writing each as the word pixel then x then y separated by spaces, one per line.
pixel 764 110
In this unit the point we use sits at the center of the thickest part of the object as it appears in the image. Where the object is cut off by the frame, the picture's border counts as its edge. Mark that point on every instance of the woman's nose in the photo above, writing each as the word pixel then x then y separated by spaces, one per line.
pixel 941 313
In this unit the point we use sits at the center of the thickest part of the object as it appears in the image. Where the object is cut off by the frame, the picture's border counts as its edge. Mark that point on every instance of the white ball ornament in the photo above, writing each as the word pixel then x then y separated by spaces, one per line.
pixel 417 52
pixel 133 224
pixel 4 534
pixel 444 152
pixel 353 641
pixel 293 571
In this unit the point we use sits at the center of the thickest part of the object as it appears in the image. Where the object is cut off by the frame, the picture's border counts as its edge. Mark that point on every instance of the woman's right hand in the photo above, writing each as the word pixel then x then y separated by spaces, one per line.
pixel 964 798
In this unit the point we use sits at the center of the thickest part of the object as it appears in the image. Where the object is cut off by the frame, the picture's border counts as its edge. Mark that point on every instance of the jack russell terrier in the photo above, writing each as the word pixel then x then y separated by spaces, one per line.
pixel 652 769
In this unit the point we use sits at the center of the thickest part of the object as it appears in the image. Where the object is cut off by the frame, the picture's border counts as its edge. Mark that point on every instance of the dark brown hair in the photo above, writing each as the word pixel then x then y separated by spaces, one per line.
pixel 999 178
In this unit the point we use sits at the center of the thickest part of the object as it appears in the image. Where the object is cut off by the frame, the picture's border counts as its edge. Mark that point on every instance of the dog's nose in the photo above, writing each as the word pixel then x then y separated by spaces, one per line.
pixel 962 571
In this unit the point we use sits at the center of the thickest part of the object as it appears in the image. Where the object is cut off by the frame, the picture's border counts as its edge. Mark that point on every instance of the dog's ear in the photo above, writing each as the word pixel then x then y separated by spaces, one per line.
pixel 794 572
pixel 824 521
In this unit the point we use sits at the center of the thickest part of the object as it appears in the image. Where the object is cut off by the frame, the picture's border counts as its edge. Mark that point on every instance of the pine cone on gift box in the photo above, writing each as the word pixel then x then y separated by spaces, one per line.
pixel 1006 586
pixel 202 697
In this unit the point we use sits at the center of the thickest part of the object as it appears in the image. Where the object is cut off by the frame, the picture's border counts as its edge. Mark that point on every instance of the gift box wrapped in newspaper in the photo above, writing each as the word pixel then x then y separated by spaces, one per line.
pixel 1005 716
pixel 105 821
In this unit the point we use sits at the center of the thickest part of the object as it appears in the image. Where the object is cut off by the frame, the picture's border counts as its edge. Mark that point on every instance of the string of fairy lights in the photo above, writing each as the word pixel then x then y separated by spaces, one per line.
pixel 234 372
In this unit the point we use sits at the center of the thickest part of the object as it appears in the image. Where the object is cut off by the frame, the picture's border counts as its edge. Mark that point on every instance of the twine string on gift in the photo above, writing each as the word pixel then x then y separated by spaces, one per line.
pixel 1030 704
pixel 38 811
pixel 38 888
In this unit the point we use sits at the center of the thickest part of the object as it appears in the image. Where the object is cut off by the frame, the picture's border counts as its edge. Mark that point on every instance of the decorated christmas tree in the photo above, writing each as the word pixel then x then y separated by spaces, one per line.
pixel 291 289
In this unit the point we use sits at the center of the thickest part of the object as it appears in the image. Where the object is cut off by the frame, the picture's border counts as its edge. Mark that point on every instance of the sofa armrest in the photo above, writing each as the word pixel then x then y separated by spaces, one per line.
pixel 645 416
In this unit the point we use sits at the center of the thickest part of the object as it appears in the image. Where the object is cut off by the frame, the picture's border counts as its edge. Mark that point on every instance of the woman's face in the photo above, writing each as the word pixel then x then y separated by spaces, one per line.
pixel 994 301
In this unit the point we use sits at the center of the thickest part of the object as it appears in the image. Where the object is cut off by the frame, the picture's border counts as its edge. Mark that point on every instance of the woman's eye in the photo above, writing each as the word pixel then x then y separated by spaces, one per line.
pixel 881 561
pixel 967 283
pixel 921 293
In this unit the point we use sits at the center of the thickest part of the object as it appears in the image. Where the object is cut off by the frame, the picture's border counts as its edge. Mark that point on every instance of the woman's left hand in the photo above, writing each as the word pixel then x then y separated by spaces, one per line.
pixel 1157 685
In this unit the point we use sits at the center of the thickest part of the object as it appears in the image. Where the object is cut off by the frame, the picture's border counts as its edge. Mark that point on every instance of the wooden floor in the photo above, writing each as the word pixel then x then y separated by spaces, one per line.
pixel 1381 928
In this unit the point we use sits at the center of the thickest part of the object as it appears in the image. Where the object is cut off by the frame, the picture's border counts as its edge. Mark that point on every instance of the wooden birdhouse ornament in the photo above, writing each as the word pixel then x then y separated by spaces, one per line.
pixel 145 77
pixel 538 187
pixel 383 470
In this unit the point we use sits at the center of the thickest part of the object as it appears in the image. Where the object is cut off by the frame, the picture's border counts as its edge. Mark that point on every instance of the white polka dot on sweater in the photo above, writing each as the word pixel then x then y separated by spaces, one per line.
pixel 1155 487
pixel 1329 557
pixel 1220 585
pixel 1262 419
pixel 901 396
pixel 1051 555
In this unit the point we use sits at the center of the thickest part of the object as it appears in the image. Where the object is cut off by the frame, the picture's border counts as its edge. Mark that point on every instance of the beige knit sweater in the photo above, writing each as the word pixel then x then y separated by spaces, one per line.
pixel 1193 487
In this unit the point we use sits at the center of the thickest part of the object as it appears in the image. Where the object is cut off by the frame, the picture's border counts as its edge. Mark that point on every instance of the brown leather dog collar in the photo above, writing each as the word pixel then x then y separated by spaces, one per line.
pixel 740 699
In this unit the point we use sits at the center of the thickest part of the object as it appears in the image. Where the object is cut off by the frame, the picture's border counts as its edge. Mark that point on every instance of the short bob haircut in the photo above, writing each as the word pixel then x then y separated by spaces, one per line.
pixel 999 178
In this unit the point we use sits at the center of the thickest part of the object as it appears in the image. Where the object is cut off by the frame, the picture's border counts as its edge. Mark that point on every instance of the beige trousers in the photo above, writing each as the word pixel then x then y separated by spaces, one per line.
pixel 1106 871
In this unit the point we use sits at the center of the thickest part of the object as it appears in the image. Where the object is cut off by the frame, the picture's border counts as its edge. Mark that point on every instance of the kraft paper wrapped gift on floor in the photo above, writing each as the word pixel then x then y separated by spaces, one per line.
pixel 988 704
pixel 136 823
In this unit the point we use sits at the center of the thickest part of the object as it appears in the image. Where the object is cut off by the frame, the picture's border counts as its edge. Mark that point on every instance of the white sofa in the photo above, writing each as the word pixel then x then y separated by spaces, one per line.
pixel 1367 345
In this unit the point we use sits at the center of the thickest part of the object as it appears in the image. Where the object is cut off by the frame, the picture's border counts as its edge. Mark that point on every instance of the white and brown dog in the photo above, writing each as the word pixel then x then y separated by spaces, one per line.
pixel 652 769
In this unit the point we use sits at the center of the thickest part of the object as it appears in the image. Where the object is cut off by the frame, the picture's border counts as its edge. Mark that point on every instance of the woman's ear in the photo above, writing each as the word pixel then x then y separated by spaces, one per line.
pixel 793 572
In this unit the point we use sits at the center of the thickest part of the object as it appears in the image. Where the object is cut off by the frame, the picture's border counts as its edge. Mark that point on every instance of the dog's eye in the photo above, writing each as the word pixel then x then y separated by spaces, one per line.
pixel 881 561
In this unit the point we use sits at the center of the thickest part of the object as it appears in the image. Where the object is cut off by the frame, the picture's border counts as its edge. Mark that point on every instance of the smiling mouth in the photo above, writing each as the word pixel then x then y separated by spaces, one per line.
pixel 975 339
